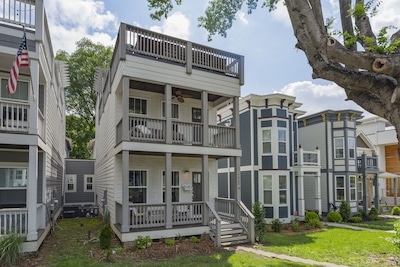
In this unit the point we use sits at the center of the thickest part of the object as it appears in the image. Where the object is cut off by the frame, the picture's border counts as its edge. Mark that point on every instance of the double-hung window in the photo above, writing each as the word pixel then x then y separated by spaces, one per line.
pixel 137 186
pixel 352 147
pixel 174 186
pixel 339 148
pixel 88 183
pixel 138 106
pixel 71 183
pixel 267 188
pixel 282 141
pixel 340 188
pixel 282 189
pixel 353 188
pixel 266 141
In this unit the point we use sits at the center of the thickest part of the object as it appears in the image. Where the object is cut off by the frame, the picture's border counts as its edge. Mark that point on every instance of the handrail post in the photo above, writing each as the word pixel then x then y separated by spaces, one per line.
pixel 189 58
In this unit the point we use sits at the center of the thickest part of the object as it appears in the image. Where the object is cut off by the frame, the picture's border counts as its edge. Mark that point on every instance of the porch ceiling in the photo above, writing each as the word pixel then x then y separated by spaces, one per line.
pixel 158 88
pixel 162 154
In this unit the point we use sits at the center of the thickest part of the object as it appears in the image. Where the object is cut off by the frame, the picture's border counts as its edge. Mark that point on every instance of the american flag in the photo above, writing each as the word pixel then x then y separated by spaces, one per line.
pixel 21 60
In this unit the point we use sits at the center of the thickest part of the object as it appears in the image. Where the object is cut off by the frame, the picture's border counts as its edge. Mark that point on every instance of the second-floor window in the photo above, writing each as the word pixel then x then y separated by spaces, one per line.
pixel 282 141
pixel 352 148
pixel 138 106
pixel 339 148
pixel 267 188
pixel 266 140
pixel 138 186
pixel 174 110
pixel 21 93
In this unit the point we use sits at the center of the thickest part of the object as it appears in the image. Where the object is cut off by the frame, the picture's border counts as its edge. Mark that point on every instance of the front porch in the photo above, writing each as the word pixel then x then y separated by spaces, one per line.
pixel 188 219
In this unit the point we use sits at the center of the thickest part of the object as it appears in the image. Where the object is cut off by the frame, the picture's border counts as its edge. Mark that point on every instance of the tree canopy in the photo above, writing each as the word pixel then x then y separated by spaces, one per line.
pixel 366 64
pixel 80 98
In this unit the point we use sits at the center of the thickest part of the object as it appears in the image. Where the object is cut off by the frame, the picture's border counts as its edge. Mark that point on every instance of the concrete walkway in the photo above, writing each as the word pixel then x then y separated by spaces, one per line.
pixel 298 259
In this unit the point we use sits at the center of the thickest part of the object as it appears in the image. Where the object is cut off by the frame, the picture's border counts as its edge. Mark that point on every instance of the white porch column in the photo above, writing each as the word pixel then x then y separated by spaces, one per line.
pixel 204 116
pixel 31 194
pixel 301 210
pixel 125 192
pixel 206 186
pixel 318 193
pixel 33 97
pixel 168 190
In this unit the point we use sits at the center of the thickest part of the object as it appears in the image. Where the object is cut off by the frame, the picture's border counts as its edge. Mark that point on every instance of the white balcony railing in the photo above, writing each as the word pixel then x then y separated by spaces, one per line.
pixel 20 12
pixel 14 116
pixel 302 157
pixel 13 220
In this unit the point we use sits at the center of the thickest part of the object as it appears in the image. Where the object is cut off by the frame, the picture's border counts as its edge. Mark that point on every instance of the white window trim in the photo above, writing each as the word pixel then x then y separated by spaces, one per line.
pixel 334 147
pixel 344 187
pixel 147 106
pixel 285 142
pixel 352 148
pixel 145 187
pixel 270 141
pixel 86 183
pixel 66 183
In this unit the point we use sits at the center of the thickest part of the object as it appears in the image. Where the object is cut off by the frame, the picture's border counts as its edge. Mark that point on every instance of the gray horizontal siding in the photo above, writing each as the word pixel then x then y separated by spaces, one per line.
pixel 80 168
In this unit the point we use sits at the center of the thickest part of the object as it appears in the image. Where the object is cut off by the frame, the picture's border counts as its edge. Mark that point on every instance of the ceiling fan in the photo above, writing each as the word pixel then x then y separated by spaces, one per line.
pixel 180 96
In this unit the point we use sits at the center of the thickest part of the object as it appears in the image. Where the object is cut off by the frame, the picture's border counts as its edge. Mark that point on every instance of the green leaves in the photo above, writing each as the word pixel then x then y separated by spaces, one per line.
pixel 162 8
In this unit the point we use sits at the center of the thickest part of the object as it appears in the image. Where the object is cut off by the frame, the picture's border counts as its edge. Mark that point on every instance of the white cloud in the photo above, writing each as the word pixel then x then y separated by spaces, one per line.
pixel 387 16
pixel 281 14
pixel 316 98
pixel 177 25
pixel 242 17
pixel 70 21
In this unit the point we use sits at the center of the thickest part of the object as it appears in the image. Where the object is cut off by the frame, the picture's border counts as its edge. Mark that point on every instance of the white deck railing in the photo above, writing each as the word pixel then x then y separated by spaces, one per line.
pixel 302 157
pixel 13 220
pixel 14 116
pixel 20 12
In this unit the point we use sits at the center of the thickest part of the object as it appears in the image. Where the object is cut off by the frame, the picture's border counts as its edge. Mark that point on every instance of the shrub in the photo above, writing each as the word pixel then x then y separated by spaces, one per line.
pixel 294 225
pixel 396 210
pixel 195 239
pixel 355 219
pixel 344 210
pixel 276 225
pixel 373 214
pixel 260 227
pixel 312 220
pixel 169 242
pixel 105 237
pixel 334 216
pixel 143 242
pixel 10 248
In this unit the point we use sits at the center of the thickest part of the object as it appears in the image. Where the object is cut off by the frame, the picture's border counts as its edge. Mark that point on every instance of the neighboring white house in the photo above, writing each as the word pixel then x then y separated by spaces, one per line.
pixel 158 140
pixel 32 126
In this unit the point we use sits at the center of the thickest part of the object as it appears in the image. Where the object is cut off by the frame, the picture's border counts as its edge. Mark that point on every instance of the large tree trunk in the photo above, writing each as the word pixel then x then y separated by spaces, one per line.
pixel 370 80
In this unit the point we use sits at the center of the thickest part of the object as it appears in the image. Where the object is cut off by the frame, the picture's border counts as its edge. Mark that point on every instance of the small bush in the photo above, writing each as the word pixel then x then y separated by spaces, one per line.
pixel 276 225
pixel 373 214
pixel 294 225
pixel 344 210
pixel 143 242
pixel 396 210
pixel 194 239
pixel 169 242
pixel 260 227
pixel 334 216
pixel 10 248
pixel 355 219
pixel 312 220
pixel 105 237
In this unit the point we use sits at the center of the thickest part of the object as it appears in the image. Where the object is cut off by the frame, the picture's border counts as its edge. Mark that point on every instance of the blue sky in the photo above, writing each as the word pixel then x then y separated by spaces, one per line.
pixel 266 40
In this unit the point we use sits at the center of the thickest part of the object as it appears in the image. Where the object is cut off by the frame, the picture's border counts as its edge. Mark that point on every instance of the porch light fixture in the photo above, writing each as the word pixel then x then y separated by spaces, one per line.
pixel 185 171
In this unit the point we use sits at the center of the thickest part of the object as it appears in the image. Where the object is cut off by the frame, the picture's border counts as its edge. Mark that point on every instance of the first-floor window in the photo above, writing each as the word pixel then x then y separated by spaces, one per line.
pixel 359 188
pixel 13 177
pixel 267 188
pixel 282 189
pixel 340 188
pixel 174 186
pixel 88 182
pixel 138 186
pixel 353 188
pixel 71 183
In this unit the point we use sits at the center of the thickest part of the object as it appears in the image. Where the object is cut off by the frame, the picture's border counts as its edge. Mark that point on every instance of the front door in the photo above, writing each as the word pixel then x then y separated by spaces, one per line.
pixel 197 186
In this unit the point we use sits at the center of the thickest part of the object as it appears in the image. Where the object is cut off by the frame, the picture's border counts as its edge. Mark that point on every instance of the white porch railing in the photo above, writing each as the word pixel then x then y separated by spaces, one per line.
pixel 185 133
pixel 214 221
pixel 13 220
pixel 21 12
pixel 14 116
pixel 154 215
pixel 302 157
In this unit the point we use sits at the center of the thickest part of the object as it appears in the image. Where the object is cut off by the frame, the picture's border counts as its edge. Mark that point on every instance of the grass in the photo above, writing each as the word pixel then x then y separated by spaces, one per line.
pixel 384 224
pixel 335 245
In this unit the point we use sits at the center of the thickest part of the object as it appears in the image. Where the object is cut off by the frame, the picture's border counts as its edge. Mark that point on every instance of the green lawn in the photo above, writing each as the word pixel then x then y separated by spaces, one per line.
pixel 335 245
pixel 385 224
